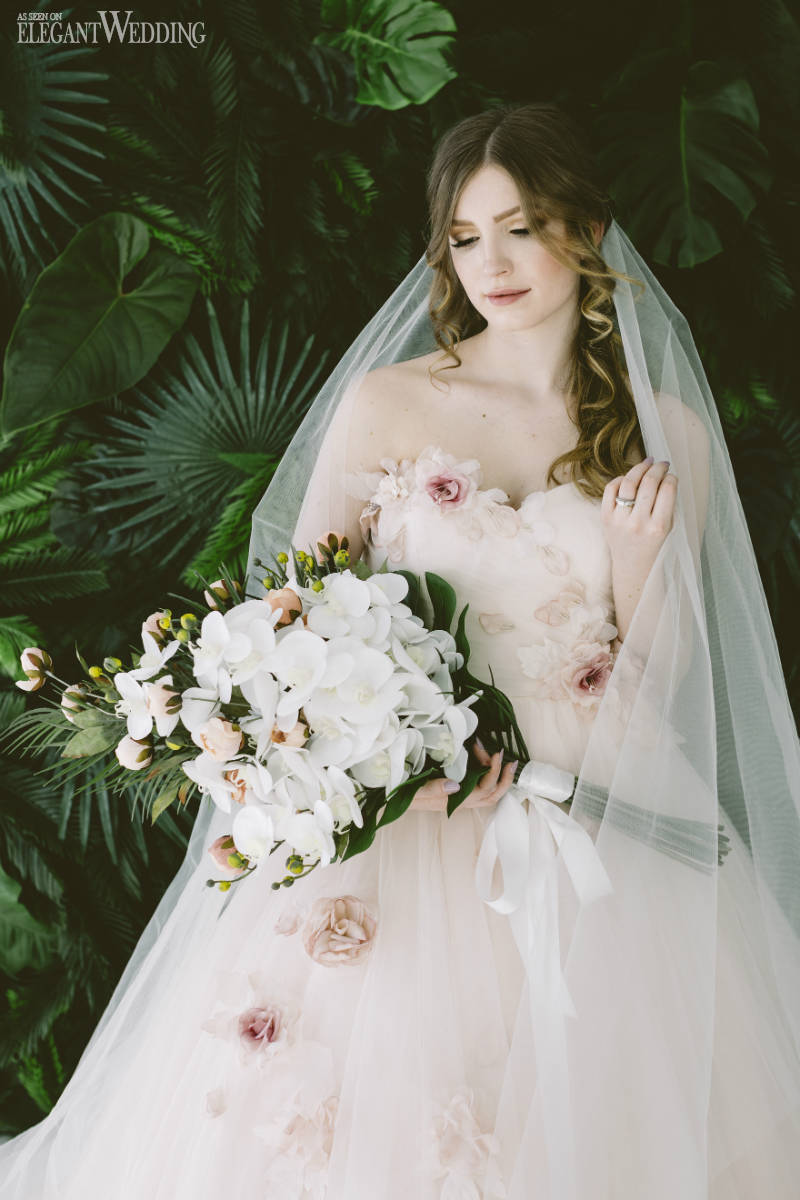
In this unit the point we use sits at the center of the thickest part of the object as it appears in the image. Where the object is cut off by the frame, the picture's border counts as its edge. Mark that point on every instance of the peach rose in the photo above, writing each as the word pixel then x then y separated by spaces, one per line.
pixel 218 738
pixel 69 697
pixel 259 1026
pixel 152 626
pixel 35 663
pixel 221 849
pixel 134 753
pixel 162 700
pixel 320 557
pixel 289 601
pixel 339 931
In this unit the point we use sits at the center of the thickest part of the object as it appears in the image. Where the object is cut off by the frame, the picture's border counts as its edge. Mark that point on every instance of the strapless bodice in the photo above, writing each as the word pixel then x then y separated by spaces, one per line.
pixel 537 579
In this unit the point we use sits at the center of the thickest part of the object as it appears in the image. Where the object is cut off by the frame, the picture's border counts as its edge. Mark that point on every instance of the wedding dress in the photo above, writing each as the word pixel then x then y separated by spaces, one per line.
pixel 366 1034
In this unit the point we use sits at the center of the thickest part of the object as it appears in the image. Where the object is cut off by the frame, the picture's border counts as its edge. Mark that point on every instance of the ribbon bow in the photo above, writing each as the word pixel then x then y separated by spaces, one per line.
pixel 527 846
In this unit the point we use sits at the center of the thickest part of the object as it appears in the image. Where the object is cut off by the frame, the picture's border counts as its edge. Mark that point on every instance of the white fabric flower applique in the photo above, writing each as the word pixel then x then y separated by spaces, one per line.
pixel 435 481
pixel 577 667
pixel 542 533
pixel 462 1152
pixel 293 1111
pixel 557 610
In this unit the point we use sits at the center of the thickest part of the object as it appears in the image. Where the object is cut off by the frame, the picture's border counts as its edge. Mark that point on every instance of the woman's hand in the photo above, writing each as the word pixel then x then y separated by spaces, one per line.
pixel 432 797
pixel 635 533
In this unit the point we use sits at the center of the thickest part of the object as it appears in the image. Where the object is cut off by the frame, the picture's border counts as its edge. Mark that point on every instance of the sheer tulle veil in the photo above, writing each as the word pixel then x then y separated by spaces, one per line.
pixel 694 731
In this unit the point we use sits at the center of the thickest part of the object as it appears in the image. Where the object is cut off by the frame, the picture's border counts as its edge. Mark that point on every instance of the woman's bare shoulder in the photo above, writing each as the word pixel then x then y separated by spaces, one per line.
pixel 409 377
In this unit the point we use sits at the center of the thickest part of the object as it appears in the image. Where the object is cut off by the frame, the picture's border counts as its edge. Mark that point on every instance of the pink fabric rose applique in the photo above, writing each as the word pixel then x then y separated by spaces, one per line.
pixel 258 1024
pixel 446 481
pixel 578 667
pixel 339 931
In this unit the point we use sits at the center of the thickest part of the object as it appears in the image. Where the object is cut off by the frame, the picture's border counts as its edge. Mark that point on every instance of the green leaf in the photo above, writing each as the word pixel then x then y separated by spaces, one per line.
pixel 24 941
pixel 682 168
pixel 59 357
pixel 397 46
pixel 163 802
pixel 400 798
pixel 96 739
pixel 16 633
pixel 443 599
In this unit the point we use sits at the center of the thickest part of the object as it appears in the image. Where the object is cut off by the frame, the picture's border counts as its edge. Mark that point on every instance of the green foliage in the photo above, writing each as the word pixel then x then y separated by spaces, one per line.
pixel 126 301
pixel 397 47
pixel 44 144
pixel 184 476
pixel 679 164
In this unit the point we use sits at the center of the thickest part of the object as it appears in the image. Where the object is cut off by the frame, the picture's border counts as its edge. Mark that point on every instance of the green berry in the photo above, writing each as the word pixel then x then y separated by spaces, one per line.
pixel 224 885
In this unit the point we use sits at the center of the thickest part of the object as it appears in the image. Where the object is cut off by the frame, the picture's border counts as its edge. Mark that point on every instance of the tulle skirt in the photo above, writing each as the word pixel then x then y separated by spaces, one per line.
pixel 287 1049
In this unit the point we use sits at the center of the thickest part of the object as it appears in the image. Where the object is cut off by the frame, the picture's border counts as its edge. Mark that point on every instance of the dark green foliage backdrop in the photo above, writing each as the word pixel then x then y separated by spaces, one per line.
pixel 269 186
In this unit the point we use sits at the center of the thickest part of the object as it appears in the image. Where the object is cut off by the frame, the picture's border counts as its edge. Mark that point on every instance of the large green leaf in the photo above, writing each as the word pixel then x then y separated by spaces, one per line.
pixel 397 47
pixel 683 167
pixel 64 356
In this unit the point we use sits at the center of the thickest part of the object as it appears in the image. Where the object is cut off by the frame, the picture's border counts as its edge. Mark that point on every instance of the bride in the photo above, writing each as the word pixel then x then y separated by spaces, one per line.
pixel 584 984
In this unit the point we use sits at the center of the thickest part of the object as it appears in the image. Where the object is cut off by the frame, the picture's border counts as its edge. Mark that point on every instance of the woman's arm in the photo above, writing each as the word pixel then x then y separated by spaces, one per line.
pixel 632 558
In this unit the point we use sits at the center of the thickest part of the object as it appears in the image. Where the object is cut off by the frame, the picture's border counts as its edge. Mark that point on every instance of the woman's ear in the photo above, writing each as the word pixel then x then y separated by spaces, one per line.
pixel 598 232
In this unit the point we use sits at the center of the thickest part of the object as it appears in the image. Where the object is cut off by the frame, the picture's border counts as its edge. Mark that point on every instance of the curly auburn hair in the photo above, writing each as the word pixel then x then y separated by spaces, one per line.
pixel 545 153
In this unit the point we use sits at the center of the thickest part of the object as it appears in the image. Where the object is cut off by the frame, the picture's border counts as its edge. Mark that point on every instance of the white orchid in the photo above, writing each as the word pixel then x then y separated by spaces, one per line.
pixel 198 705
pixel 216 652
pixel 387 767
pixel 255 621
pixel 340 794
pixel 445 741
pixel 253 831
pixel 309 833
pixel 299 661
pixel 132 704
pixel 153 659
pixel 210 776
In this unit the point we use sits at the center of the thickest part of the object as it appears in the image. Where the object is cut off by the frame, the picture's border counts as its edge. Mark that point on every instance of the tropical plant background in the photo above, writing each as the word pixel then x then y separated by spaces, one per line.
pixel 190 236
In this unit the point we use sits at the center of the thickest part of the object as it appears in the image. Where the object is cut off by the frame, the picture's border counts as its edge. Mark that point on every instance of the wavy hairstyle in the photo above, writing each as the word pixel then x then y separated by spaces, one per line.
pixel 545 153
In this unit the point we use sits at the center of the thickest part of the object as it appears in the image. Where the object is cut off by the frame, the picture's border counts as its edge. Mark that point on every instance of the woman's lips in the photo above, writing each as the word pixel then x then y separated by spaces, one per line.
pixel 508 298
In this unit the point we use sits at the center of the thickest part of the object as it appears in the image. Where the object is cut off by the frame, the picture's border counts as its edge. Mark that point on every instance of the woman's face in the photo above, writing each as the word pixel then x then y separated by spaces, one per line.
pixel 493 251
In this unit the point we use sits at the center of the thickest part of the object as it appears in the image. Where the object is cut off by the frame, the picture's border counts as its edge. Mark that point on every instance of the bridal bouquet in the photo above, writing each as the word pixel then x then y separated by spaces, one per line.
pixel 312 716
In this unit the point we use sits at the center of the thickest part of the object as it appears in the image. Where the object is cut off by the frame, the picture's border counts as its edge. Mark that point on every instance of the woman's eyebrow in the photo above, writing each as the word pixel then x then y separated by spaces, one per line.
pixel 500 217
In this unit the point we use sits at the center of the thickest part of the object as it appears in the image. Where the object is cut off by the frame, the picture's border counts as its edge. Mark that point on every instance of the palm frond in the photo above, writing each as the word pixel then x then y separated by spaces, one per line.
pixel 44 146
pixel 64 574
pixel 199 434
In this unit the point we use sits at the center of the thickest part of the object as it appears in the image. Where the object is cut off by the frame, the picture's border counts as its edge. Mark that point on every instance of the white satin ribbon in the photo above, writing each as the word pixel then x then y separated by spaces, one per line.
pixel 527 846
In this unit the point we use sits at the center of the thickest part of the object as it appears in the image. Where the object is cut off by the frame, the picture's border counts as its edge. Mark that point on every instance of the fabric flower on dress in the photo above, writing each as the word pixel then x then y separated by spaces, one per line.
pixel 543 533
pixel 578 667
pixel 262 1025
pixel 557 610
pixel 339 931
pixel 462 1150
pixel 446 481
pixel 495 622
pixel 301 1148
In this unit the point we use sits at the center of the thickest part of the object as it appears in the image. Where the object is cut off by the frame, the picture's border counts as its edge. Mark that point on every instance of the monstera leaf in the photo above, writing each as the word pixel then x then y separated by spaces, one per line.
pixel 681 167
pixel 397 47
pixel 87 331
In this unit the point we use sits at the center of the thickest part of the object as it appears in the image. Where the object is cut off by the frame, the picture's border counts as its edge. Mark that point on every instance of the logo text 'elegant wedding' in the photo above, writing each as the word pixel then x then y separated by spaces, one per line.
pixel 49 28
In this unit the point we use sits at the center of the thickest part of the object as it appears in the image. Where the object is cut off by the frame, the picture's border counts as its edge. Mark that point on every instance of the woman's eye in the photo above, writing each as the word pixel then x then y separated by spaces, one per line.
pixel 468 241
